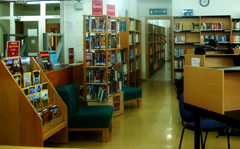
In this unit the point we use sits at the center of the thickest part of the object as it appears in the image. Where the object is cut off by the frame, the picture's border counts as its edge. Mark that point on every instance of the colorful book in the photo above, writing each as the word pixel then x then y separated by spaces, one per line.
pixel 44 98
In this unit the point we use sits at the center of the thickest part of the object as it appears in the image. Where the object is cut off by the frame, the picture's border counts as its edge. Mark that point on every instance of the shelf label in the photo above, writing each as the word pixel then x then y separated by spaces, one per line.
pixel 158 11
pixel 97 7
pixel 227 30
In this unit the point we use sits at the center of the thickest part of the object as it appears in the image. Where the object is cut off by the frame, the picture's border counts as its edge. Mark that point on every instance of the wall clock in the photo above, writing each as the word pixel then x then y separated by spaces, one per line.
pixel 204 3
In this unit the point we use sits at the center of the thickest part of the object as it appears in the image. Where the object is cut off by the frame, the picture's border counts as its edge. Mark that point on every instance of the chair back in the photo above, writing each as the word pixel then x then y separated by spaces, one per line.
pixel 186 115
pixel 69 94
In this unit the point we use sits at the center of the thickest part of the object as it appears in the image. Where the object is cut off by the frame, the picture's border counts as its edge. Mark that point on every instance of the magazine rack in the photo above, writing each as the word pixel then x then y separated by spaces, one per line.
pixel 20 123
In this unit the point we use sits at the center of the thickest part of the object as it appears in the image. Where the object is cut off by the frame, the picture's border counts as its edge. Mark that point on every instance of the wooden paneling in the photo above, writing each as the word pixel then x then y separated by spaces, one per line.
pixel 219 61
pixel 188 59
pixel 231 91
pixel 204 88
pixel 192 37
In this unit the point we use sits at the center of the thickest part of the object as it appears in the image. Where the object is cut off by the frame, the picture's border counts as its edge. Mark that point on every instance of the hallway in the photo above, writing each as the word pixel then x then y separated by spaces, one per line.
pixel 156 125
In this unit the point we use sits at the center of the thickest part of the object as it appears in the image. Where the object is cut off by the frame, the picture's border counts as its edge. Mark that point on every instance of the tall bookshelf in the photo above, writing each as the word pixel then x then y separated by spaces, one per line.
pixel 97 57
pixel 191 31
pixel 131 47
pixel 21 124
pixel 156 48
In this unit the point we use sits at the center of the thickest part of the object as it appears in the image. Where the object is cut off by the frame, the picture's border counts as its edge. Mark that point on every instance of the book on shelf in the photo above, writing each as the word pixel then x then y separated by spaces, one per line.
pixel 179 52
pixel 37 101
pixel 178 64
pixel 180 39
pixel 131 54
pixel 96 76
pixel 131 25
pixel 113 41
pixel 136 38
pixel 124 68
pixel 44 98
pixel 25 64
pixel 113 58
pixel 90 59
pixel 236 24
pixel 88 25
pixel 178 27
pixel 90 92
pixel 109 25
pixel 119 57
pixel 113 26
pixel 178 75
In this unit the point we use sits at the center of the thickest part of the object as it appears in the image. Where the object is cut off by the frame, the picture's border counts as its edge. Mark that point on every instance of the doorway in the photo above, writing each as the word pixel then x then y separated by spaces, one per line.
pixel 158 48
pixel 53 26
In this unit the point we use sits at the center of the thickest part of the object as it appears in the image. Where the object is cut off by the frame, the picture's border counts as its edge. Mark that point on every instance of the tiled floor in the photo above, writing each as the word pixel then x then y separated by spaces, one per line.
pixel 157 124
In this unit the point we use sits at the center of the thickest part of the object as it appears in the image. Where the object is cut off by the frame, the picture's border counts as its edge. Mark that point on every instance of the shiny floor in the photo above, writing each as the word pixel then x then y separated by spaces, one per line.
pixel 156 125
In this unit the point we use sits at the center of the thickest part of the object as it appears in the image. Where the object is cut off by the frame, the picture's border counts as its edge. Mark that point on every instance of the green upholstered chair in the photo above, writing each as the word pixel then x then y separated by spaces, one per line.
pixel 131 93
pixel 85 118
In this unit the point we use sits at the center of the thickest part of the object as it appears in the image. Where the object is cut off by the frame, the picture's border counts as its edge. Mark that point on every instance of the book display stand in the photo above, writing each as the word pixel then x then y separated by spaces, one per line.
pixel 130 38
pixel 21 124
pixel 156 48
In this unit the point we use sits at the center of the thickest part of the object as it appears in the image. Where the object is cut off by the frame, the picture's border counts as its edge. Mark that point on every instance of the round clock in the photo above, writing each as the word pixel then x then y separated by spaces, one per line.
pixel 204 3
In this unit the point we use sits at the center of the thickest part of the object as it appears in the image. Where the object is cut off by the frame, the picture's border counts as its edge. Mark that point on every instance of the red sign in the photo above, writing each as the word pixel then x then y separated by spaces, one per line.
pixel 97 7
pixel 111 10
pixel 13 48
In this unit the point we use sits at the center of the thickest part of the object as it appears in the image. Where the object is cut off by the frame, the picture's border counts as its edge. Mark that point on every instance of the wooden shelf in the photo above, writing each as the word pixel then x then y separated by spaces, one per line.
pixel 136 47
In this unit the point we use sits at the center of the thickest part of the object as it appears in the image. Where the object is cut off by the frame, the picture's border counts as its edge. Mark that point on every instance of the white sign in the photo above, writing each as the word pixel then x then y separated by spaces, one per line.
pixel 196 62
pixel 70 27
pixel 32 32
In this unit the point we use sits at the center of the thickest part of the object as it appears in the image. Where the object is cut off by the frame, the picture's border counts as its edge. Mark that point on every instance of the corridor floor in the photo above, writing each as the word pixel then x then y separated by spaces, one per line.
pixel 156 125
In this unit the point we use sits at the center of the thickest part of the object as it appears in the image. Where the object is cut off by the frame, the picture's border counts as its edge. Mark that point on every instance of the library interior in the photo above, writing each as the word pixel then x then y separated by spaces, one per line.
pixel 119 74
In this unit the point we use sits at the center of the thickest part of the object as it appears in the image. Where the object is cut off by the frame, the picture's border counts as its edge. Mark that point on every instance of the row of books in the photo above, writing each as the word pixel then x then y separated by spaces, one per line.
pixel 178 75
pixel 38 99
pixel 236 24
pixel 98 42
pixel 179 52
pixel 96 76
pixel 97 24
pixel 235 38
pixel 179 39
pixel 97 92
pixel 28 78
pixel 178 26
pixel 219 38
pixel 18 65
pixel 131 54
pixel 212 26
pixel 49 114
pixel 178 64
pixel 116 58
pixel 97 59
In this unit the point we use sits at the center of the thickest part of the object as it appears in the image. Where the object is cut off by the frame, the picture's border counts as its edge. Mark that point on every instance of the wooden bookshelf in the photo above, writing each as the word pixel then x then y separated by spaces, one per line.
pixel 155 53
pixel 109 51
pixel 221 96
pixel 21 125
pixel 195 35
pixel 131 41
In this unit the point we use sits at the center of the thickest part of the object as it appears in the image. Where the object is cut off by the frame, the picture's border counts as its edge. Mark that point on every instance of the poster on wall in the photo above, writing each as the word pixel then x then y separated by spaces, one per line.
pixel 97 7
pixel 111 10
pixel 70 26
pixel 13 48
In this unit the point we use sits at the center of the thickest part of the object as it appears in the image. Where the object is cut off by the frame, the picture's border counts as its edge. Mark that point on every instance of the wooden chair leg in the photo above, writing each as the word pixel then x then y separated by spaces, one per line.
pixel 139 102
pixel 110 128
pixel 105 135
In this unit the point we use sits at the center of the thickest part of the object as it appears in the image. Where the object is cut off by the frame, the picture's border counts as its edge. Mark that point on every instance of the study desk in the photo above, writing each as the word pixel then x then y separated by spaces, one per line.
pixel 212 93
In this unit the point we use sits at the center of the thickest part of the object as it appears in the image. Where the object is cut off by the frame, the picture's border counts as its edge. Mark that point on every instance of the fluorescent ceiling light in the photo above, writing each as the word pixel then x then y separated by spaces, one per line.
pixel 47 2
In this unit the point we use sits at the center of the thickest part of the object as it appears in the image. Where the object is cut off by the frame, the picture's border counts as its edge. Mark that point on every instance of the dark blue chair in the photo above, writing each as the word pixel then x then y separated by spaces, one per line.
pixel 207 125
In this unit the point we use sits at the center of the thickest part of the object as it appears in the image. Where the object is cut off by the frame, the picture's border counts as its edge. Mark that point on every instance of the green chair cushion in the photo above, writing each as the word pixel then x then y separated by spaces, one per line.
pixel 131 93
pixel 68 92
pixel 91 117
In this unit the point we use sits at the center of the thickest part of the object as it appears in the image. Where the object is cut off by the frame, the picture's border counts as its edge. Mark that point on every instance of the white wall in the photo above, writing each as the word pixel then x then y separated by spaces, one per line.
pixel 215 7
pixel 68 13
pixel 143 11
